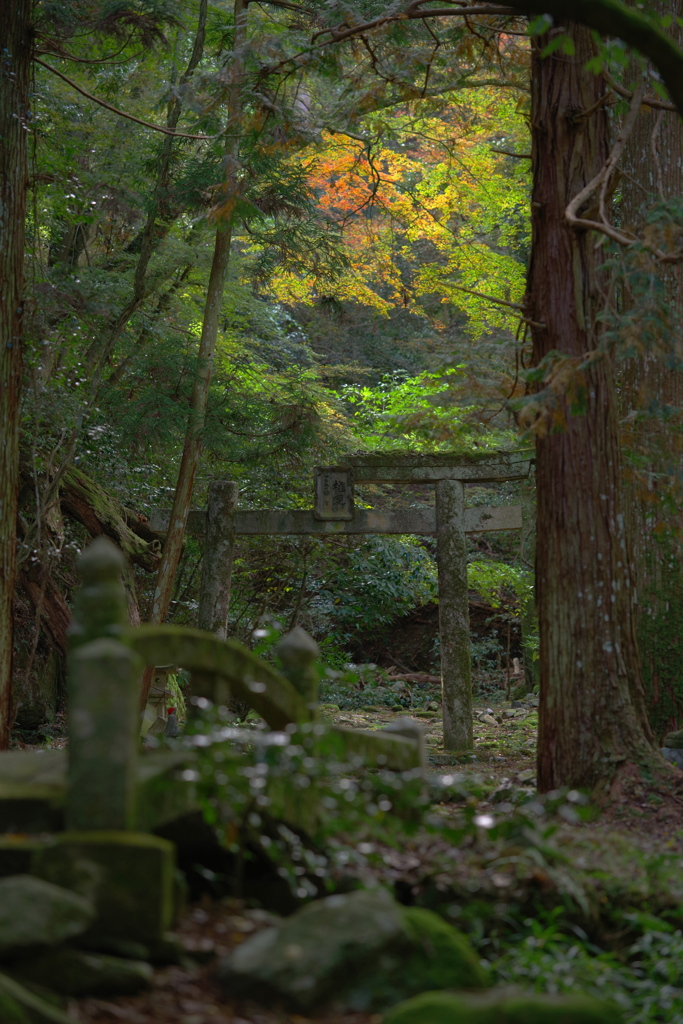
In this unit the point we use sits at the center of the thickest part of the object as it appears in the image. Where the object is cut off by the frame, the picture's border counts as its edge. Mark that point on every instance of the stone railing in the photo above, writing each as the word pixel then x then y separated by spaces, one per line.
pixel 105 666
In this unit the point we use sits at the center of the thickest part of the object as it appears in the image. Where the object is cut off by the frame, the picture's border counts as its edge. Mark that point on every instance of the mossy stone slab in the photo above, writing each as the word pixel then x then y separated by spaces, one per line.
pixel 674 740
pixel 73 972
pixel 503 1007
pixel 33 790
pixel 128 876
pixel 381 748
pixel 16 853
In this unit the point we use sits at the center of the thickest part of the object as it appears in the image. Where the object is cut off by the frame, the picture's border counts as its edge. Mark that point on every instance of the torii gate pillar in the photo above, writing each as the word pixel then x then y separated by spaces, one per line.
pixel 454 615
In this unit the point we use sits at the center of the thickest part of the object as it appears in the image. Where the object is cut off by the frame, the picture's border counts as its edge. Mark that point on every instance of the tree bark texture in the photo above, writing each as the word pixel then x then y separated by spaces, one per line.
pixel 653 169
pixel 15 63
pixel 632 24
pixel 592 709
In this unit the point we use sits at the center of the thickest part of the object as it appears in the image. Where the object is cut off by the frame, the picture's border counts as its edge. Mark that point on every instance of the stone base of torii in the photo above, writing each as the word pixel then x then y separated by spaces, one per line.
pixel 334 513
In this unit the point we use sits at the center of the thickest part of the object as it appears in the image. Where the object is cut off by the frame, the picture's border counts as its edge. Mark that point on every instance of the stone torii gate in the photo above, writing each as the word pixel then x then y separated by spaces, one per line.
pixel 334 514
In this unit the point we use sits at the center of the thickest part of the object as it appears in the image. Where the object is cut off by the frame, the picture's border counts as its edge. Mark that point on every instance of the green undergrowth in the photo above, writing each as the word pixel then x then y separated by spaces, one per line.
pixel 644 978
pixel 551 901
pixel 358 687
pixel 366 686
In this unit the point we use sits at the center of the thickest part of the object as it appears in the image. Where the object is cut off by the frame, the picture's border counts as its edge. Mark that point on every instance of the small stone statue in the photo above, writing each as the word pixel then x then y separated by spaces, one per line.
pixel 172 727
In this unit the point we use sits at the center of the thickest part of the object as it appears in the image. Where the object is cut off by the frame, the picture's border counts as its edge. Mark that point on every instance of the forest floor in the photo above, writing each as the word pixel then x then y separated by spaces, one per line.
pixel 505 736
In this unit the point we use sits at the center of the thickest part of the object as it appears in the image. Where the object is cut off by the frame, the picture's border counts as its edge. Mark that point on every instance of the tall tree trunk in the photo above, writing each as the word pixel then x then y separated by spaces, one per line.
pixel 592 717
pixel 160 218
pixel 653 168
pixel 15 47
pixel 207 346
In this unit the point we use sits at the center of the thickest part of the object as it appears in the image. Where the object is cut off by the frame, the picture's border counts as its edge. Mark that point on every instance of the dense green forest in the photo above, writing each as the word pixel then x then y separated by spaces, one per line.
pixel 242 241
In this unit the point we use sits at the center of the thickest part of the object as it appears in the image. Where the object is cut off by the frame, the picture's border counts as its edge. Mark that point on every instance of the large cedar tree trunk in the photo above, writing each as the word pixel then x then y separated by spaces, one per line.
pixel 592 716
pixel 653 169
pixel 15 48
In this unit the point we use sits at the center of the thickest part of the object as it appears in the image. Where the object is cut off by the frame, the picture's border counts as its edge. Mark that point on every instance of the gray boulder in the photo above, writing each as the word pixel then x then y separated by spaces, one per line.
pixel 674 755
pixel 35 914
pixel 358 951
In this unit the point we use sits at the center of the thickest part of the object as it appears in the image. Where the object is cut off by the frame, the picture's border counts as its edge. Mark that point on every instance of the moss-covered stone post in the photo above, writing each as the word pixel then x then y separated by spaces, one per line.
pixel 219 546
pixel 454 616
pixel 100 606
pixel 298 653
pixel 102 698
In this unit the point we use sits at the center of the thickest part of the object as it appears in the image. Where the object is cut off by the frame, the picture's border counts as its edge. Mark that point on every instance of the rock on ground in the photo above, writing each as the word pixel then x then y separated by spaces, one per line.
pixel 35 914
pixel 357 951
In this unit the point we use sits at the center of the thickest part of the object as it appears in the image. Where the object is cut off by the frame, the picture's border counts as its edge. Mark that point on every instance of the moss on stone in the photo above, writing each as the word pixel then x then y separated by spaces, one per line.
pixel 503 1007
pixel 129 877
pixel 674 739
pixel 16 854
pixel 455 456
pixel 431 955
pixel 570 1009
pixel 443 957
pixel 75 973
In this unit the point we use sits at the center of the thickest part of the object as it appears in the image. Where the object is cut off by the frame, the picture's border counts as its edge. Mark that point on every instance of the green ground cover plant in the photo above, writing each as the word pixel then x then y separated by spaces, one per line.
pixel 551 904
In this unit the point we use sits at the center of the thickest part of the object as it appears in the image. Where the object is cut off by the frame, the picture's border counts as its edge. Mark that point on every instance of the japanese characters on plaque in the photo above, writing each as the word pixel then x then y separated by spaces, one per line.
pixel 333 494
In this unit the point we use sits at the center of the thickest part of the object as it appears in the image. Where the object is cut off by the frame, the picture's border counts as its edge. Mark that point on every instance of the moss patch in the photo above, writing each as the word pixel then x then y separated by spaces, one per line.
pixel 503 1008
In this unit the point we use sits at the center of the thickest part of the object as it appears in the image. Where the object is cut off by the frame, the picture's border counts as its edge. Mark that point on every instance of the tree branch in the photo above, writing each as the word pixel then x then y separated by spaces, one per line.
pixel 285 4
pixel 489 298
pixel 122 113
pixel 609 17
pixel 410 14
pixel 647 101
pixel 509 152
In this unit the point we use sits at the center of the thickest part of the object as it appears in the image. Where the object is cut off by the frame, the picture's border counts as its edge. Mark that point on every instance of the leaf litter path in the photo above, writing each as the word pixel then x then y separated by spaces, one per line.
pixel 188 993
